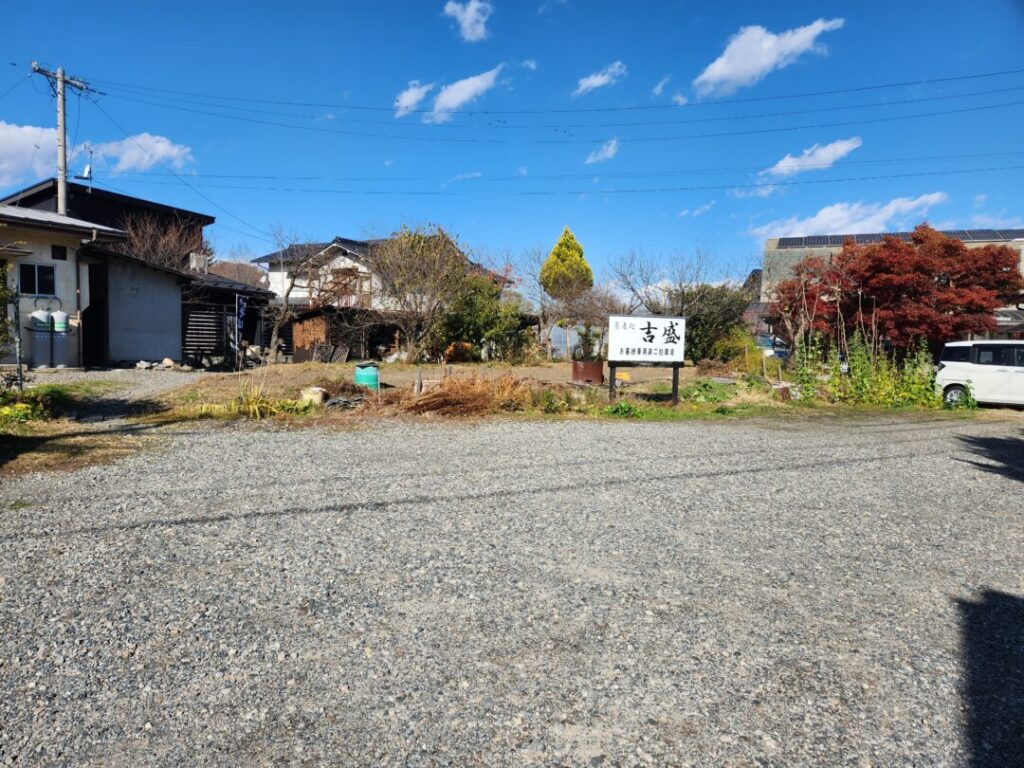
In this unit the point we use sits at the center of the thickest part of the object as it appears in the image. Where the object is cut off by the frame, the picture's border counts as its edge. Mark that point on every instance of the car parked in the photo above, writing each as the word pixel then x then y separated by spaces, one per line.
pixel 772 346
pixel 993 372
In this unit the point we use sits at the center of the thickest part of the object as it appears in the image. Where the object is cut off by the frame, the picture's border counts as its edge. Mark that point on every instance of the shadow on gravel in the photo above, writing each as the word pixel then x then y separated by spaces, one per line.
pixel 97 409
pixel 358 506
pixel 63 446
pixel 992 632
pixel 1004 455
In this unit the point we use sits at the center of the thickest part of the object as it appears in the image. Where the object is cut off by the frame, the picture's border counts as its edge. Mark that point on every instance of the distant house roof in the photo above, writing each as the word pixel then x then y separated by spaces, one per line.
pixel 220 283
pixel 300 252
pixel 32 197
pixel 836 241
pixel 36 219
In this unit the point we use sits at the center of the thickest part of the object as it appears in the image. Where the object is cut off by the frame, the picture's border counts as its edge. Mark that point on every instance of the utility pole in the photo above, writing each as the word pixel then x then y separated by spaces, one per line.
pixel 59 81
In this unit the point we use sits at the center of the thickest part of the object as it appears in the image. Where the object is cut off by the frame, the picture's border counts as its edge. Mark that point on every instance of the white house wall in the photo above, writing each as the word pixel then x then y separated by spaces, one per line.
pixel 38 244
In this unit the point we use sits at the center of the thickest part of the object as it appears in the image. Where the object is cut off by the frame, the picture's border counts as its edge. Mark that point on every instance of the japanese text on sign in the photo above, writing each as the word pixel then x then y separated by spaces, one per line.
pixel 646 339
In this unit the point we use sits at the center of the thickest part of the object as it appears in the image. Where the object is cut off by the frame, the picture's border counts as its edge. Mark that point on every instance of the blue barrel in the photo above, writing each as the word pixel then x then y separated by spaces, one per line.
pixel 367 376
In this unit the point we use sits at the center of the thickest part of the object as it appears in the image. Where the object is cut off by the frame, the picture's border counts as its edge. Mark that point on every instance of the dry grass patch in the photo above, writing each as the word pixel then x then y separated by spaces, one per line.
pixel 473 396
pixel 63 445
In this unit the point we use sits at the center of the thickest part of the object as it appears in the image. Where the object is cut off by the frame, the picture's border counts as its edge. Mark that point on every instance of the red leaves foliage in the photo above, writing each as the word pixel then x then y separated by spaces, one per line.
pixel 933 287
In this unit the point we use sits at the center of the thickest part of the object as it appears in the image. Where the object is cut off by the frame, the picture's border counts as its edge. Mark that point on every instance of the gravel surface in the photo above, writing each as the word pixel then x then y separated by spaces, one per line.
pixel 135 387
pixel 522 593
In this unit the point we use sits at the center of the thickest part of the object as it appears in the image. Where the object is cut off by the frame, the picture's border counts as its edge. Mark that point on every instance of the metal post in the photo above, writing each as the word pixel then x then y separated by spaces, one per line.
pixel 611 381
pixel 675 385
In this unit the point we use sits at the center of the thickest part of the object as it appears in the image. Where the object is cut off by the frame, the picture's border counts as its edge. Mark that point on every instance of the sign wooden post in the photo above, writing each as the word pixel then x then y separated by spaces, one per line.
pixel 655 341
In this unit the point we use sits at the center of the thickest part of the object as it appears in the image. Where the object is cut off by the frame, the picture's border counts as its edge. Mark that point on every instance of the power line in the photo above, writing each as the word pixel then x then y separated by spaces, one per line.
pixel 600 190
pixel 743 100
pixel 264 235
pixel 11 90
pixel 590 141
pixel 520 126
pixel 569 176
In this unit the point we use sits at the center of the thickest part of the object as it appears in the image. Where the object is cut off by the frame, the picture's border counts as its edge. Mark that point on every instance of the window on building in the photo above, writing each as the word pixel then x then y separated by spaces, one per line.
pixel 59 252
pixel 37 280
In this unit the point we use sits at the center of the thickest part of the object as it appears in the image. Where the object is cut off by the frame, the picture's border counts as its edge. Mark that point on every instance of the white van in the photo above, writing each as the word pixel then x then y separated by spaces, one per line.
pixel 993 370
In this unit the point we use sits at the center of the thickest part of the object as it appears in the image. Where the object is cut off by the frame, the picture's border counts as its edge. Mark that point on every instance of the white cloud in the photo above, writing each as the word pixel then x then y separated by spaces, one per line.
pixel 530 64
pixel 678 99
pixel 1002 221
pixel 980 200
pixel 472 18
pixel 753 52
pixel 547 5
pixel 854 218
pixel 607 76
pixel 463 177
pixel 758 190
pixel 19 157
pixel 454 96
pixel 411 97
pixel 522 170
pixel 813 158
pixel 143 151
pixel 606 151
pixel 695 212
pixel 660 85
pixel 388 162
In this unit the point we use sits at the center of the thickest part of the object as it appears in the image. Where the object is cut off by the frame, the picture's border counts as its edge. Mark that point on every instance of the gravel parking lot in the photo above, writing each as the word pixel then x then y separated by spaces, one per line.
pixel 829 593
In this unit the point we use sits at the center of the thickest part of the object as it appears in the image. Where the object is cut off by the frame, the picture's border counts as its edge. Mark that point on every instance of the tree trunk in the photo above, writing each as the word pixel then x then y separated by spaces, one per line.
pixel 281 319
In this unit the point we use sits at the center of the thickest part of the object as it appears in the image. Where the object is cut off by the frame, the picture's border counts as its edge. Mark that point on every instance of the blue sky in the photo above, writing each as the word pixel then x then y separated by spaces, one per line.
pixel 660 126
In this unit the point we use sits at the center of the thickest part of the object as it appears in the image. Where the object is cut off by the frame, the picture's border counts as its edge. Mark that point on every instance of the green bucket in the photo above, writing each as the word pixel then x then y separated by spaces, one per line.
pixel 367 376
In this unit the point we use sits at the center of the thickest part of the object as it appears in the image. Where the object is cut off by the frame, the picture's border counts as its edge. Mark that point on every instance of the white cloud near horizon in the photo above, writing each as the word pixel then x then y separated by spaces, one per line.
pixel 753 52
pixel 19 158
pixel 144 151
pixel 454 96
pixel 605 152
pixel 660 85
pixel 600 79
pixel 1000 221
pixel 411 96
pixel 853 218
pixel 698 211
pixel 818 157
pixel 471 17
pixel 29 152
pixel 679 100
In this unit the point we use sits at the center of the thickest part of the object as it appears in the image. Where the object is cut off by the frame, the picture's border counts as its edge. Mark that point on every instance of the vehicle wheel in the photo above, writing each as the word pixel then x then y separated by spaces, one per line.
pixel 954 395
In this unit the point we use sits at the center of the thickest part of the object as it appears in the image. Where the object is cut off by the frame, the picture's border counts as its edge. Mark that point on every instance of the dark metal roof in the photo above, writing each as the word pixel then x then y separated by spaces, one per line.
pixel 836 241
pixel 48 187
pixel 299 252
pixel 30 218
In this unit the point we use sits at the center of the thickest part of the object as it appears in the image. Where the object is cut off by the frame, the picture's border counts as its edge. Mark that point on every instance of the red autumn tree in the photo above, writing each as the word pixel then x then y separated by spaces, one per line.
pixel 931 287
